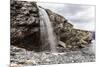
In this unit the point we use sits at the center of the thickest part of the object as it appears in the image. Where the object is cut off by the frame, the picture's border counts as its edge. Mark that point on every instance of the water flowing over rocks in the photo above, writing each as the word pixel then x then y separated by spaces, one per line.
pixel 26 37
pixel 47 30
pixel 25 28
pixel 73 38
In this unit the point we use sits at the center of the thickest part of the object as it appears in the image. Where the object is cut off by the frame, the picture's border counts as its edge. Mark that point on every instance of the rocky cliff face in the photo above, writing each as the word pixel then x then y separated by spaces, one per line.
pixel 73 38
pixel 25 24
pixel 25 28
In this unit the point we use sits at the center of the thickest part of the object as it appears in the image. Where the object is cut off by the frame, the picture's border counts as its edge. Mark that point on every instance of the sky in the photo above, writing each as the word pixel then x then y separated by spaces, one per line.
pixel 81 16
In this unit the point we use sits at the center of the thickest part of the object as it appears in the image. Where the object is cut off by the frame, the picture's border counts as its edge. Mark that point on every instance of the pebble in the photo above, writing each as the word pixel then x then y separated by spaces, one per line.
pixel 50 58
pixel 15 65
pixel 30 62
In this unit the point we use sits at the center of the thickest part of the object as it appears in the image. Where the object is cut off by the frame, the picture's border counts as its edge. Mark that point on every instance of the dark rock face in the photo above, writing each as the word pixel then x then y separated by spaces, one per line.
pixel 25 28
pixel 25 24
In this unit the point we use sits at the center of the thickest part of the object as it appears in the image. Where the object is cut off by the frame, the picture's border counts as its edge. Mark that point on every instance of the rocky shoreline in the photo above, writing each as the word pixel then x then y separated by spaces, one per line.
pixel 23 57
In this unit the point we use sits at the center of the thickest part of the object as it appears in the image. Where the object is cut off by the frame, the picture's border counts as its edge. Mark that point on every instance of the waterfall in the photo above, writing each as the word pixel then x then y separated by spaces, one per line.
pixel 46 29
pixel 91 49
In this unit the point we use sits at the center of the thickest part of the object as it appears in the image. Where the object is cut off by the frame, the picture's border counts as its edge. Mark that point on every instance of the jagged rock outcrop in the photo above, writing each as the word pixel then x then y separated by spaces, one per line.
pixel 25 28
pixel 25 25
pixel 73 38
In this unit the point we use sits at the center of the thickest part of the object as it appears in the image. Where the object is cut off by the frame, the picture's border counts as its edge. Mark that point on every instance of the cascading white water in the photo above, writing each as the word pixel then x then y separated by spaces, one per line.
pixel 91 49
pixel 46 28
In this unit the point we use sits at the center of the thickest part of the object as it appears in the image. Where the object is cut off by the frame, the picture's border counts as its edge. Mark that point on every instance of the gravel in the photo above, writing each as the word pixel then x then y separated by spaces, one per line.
pixel 23 57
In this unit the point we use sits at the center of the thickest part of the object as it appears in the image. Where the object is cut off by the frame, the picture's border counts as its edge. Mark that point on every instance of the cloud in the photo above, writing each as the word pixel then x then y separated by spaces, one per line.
pixel 72 9
pixel 82 16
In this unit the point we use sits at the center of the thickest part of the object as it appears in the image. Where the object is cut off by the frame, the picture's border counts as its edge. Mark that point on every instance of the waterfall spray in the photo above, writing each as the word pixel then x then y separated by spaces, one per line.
pixel 46 28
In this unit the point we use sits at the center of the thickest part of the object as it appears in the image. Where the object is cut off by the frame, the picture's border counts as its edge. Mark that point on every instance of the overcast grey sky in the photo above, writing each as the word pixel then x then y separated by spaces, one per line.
pixel 81 16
